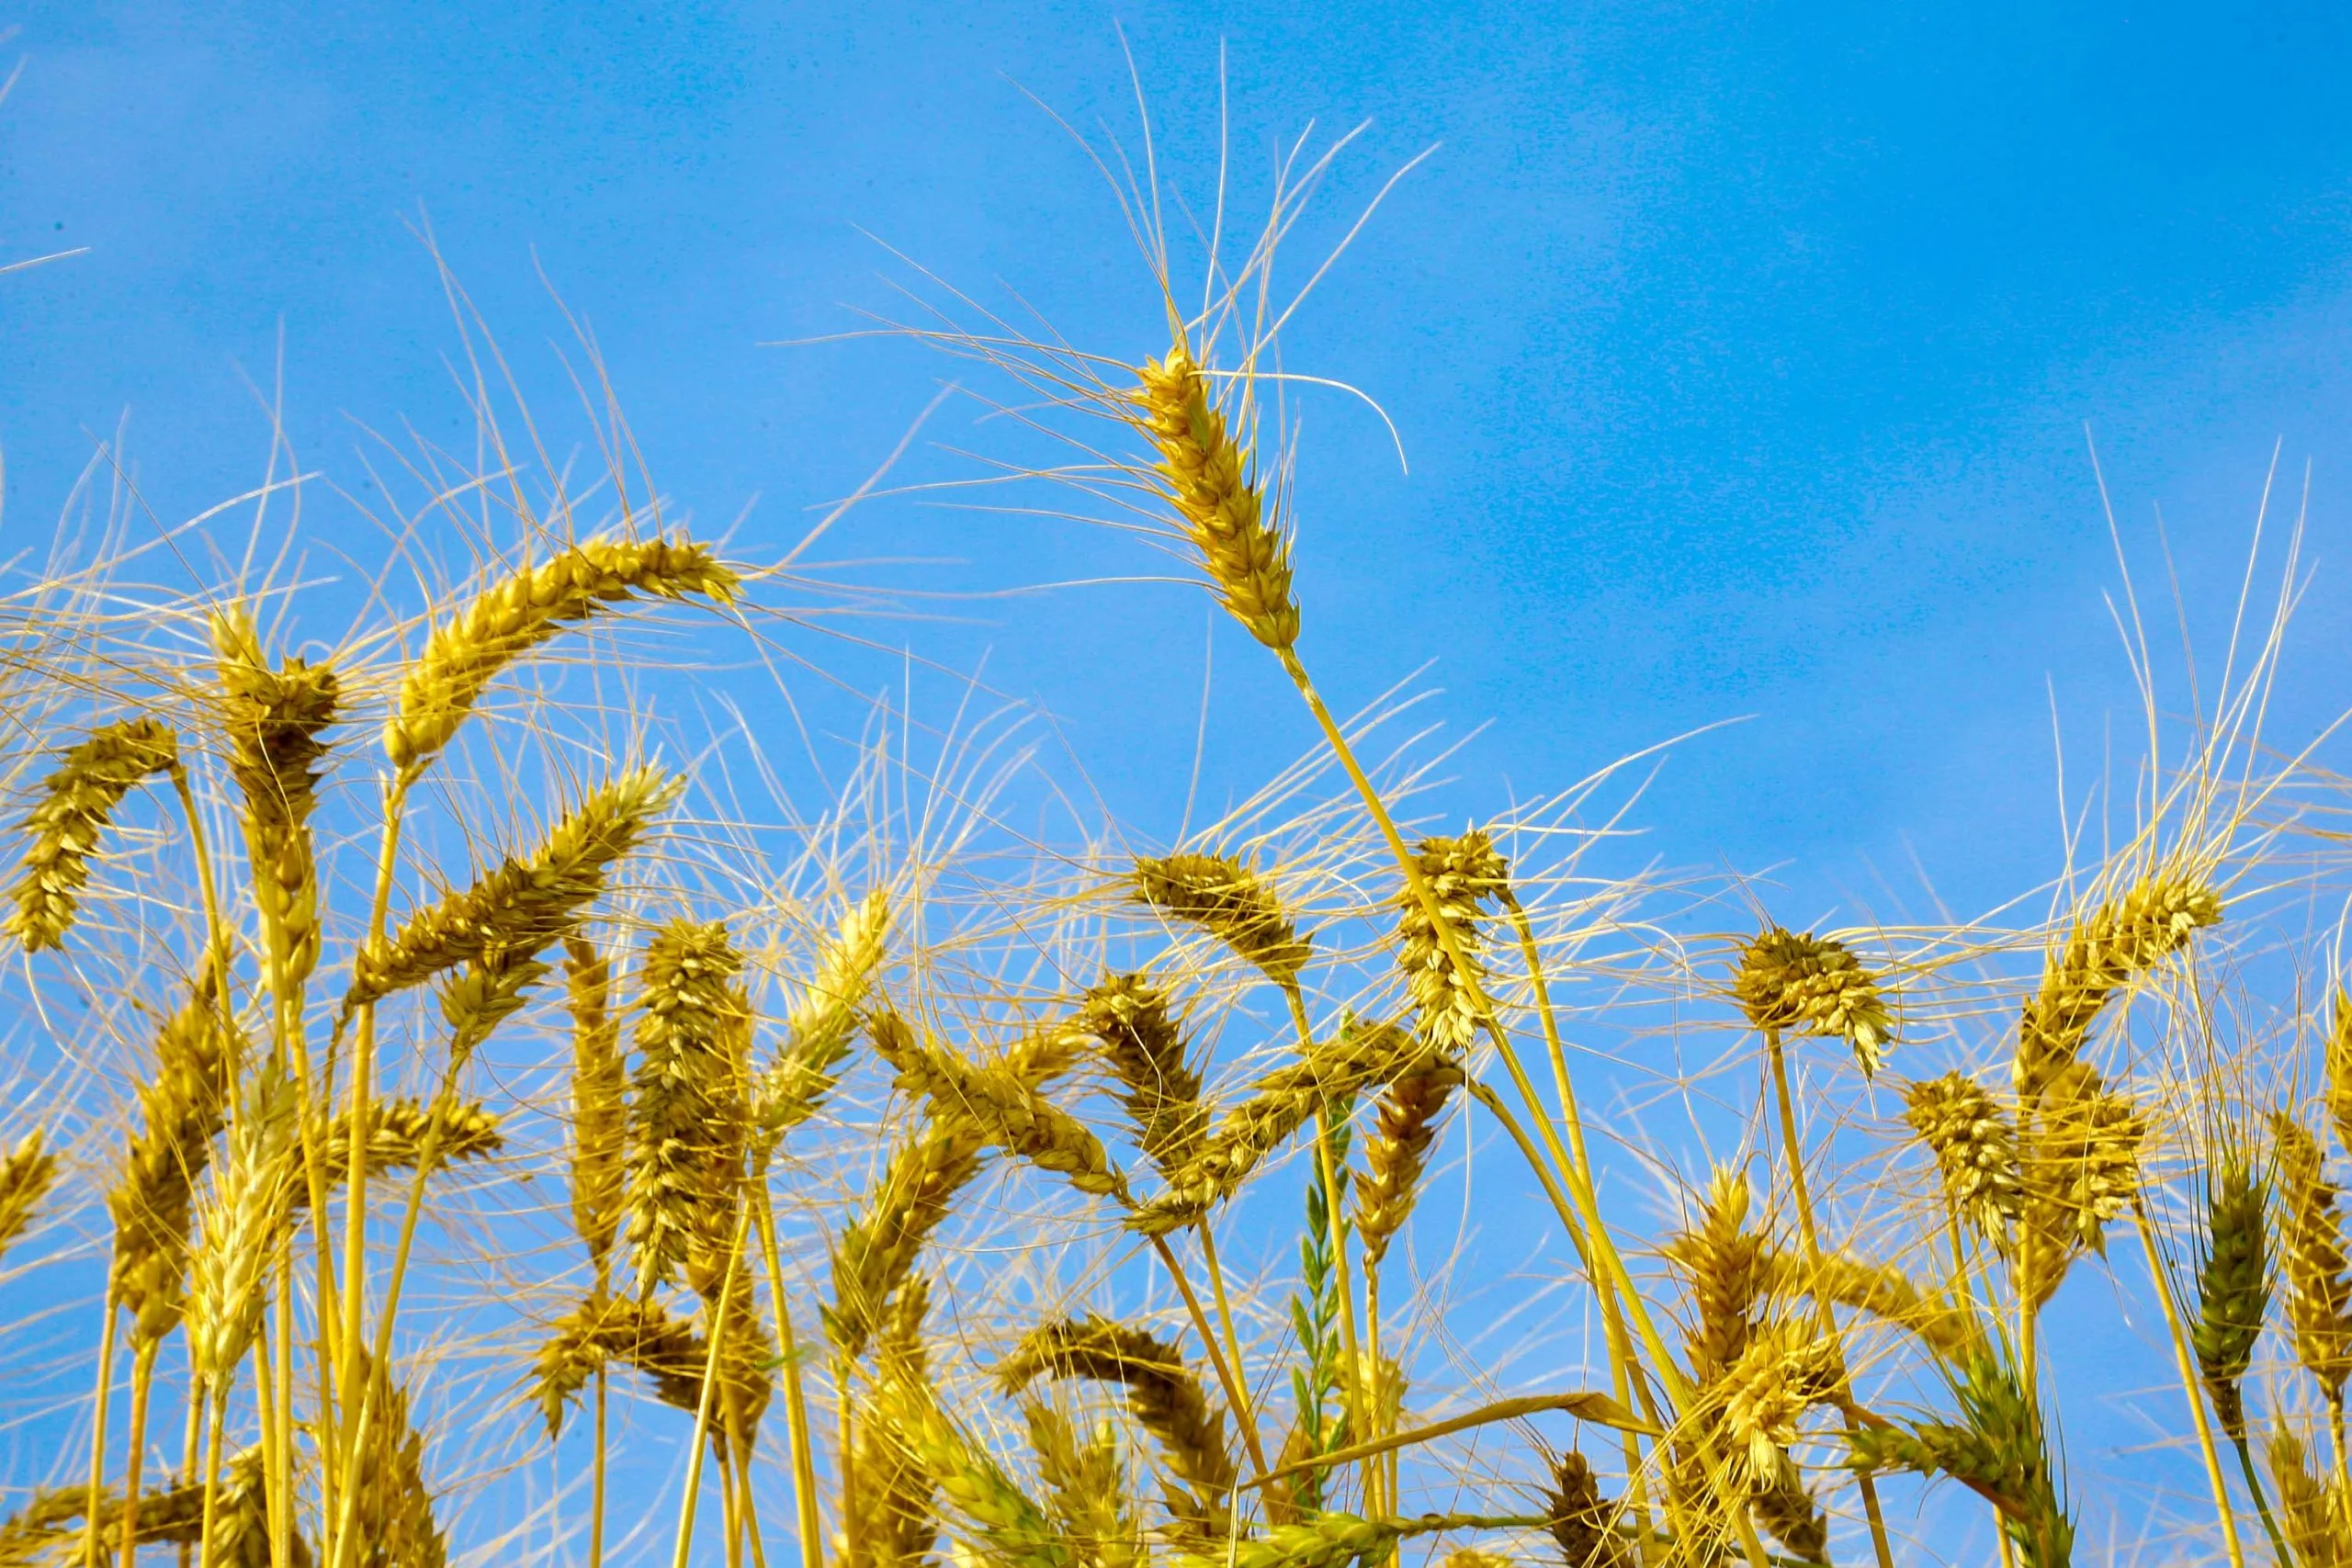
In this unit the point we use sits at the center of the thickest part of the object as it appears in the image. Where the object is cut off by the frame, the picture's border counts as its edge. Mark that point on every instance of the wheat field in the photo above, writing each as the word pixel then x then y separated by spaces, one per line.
pixel 472 1102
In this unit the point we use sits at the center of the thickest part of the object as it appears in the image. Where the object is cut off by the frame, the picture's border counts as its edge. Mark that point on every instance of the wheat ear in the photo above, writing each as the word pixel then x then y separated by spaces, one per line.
pixel 1975 1145
pixel 464 653
pixel 1230 902
pixel 28 1171
pixel 2319 1283
pixel 1206 471
pixel 823 1024
pixel 1142 1043
pixel 2104 949
pixel 690 1120
pixel 183 1106
pixel 1462 876
pixel 599 1104
pixel 78 799
pixel 1808 984
pixel 274 717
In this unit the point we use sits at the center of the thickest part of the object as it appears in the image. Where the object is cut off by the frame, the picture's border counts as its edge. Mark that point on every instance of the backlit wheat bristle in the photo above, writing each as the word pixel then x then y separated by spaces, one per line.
pixel 2310 1514
pixel 2081 1168
pixel 241 1224
pixel 1229 901
pixel 1166 1397
pixel 1398 1150
pixel 1463 875
pixel 183 1106
pixel 1581 1520
pixel 2233 1286
pixel 823 1022
pixel 599 1103
pixel 1879 1289
pixel 1791 1514
pixel 397 1128
pixel 1721 1261
pixel 690 1115
pixel 1792 984
pixel 1975 1148
pixel 1360 1056
pixel 466 651
pixel 1209 482
pixel 1085 1489
pixel 2312 1257
pixel 272 719
pixel 1004 1110
pixel 78 798
pixel 1143 1045
pixel 525 905
pixel 2103 952
pixel 393 1509
pixel 1010 1531
pixel 898 1496
pixel 28 1171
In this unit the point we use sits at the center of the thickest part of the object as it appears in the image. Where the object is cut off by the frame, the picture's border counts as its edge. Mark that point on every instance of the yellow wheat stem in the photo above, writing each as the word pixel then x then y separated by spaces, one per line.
pixel 1793 1151
pixel 1245 1411
pixel 99 1431
pixel 710 1380
pixel 796 1395
pixel 2191 1385
pixel 1229 1376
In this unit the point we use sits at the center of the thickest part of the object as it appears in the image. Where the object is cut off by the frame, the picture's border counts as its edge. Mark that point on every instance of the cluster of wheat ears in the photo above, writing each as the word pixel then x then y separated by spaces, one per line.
pixel 864 1349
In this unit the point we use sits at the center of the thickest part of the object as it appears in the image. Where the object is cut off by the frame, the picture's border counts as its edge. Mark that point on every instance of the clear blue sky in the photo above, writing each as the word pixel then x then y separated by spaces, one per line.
pixel 1743 352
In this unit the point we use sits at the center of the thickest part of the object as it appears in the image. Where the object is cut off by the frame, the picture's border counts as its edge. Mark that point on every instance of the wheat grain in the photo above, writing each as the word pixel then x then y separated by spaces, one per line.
pixel 464 653
pixel 1230 902
pixel 1207 475
pixel 1813 985
pixel 78 799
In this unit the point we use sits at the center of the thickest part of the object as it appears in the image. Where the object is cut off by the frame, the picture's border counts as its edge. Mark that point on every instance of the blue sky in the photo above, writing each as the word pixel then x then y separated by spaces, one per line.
pixel 1742 353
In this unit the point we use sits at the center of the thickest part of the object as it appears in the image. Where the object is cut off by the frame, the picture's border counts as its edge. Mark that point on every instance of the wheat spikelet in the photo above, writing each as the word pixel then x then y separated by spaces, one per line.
pixel 272 719
pixel 1230 902
pixel 2233 1286
pixel 1394 1155
pixel 822 1025
pixel 28 1171
pixel 1207 474
pixel 1279 1104
pixel 1463 875
pixel 1581 1520
pixel 1813 985
pixel 525 904
pixel 396 1129
pixel 251 1195
pixel 1783 1370
pixel 392 1512
pixel 1787 1511
pixel 466 651
pixel 690 1117
pixel 1167 1399
pixel 2308 1510
pixel 1975 1148
pixel 183 1106
pixel 1721 1260
pixel 1084 1489
pixel 897 1495
pixel 2319 1286
pixel 2081 1168
pixel 599 1103
pixel 1142 1045
pixel 2103 950
pixel 78 798
pixel 1010 1528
